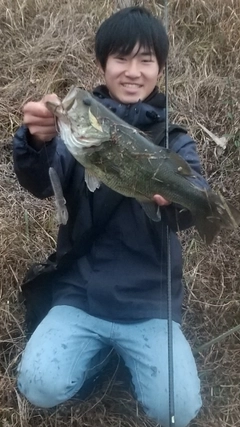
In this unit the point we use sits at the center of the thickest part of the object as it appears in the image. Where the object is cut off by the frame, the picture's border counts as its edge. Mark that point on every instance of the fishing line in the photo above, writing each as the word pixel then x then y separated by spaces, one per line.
pixel 169 263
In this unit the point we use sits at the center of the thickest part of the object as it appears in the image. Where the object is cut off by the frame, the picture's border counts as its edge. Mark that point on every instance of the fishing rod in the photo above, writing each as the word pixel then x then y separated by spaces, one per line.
pixel 169 263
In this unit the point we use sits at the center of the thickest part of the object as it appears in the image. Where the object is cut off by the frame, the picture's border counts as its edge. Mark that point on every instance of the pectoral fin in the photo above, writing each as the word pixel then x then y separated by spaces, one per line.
pixel 91 181
pixel 152 210
pixel 182 167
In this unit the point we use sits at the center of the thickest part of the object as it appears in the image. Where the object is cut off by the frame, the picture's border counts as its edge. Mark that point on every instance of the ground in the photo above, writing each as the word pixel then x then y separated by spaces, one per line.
pixel 46 46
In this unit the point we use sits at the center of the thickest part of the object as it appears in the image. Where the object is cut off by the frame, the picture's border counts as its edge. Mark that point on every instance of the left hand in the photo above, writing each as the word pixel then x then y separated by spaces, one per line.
pixel 160 200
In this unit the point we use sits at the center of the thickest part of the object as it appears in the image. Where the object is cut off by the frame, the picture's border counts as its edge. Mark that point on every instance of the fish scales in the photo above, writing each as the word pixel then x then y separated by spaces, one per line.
pixel 112 167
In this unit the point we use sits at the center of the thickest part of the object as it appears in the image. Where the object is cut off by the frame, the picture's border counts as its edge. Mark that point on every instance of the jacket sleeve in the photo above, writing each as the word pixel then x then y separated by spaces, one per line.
pixel 178 217
pixel 32 166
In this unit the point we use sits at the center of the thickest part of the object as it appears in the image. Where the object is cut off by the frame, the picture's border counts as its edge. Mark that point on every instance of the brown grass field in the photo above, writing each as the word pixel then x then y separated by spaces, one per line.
pixel 46 46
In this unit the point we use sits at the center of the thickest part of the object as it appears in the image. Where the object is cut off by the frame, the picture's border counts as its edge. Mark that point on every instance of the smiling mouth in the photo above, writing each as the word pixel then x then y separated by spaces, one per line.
pixel 131 85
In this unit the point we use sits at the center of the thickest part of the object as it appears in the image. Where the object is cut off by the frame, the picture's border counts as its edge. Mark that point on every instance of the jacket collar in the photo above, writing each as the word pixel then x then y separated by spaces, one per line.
pixel 139 114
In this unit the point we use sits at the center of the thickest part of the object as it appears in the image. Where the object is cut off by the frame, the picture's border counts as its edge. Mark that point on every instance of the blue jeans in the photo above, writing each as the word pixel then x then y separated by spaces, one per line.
pixel 62 352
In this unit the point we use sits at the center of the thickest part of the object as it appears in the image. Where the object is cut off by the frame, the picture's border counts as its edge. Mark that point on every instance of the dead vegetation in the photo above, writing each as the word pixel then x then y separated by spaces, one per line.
pixel 46 47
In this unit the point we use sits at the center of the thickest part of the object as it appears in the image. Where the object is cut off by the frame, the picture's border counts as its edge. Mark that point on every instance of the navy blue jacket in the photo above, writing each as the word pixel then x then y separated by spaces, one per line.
pixel 119 269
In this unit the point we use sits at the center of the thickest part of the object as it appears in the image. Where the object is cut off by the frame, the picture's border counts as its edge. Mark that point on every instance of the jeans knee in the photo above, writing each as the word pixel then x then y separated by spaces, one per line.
pixel 184 411
pixel 44 391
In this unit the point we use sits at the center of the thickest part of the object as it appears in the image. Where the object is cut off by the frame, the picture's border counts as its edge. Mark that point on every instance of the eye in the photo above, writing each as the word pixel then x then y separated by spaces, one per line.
pixel 148 59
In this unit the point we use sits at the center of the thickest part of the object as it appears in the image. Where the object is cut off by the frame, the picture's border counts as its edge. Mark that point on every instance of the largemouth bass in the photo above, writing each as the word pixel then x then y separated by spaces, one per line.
pixel 121 157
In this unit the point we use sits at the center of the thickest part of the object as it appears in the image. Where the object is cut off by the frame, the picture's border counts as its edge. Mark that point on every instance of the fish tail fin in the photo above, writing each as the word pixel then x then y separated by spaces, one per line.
pixel 219 214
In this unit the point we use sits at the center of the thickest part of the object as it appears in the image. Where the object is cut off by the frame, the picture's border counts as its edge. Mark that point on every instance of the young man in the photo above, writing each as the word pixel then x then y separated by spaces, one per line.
pixel 108 281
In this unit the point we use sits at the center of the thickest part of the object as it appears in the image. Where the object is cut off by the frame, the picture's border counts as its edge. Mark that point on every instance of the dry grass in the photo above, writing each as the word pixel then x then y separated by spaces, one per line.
pixel 46 47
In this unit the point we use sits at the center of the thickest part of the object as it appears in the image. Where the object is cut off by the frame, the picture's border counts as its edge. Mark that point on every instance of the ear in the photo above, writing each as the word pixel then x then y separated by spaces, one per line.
pixel 100 67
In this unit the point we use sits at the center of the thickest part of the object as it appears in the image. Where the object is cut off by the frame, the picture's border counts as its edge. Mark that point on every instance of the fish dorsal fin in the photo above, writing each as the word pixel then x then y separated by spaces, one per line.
pixel 91 181
pixel 182 167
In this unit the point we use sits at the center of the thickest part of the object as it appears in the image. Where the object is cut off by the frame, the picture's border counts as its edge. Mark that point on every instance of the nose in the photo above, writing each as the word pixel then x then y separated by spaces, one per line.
pixel 132 69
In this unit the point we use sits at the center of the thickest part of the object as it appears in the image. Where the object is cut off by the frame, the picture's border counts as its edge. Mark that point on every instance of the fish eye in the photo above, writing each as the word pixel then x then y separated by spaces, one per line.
pixel 87 101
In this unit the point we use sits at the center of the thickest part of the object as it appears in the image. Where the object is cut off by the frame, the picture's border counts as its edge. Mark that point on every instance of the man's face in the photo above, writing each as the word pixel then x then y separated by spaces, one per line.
pixel 133 77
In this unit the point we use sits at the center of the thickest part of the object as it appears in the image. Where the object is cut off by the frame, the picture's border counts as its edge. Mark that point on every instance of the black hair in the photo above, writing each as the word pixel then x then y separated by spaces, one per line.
pixel 124 29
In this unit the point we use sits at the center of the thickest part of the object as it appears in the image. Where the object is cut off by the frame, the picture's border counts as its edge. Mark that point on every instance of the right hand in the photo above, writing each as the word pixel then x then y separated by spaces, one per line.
pixel 39 120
